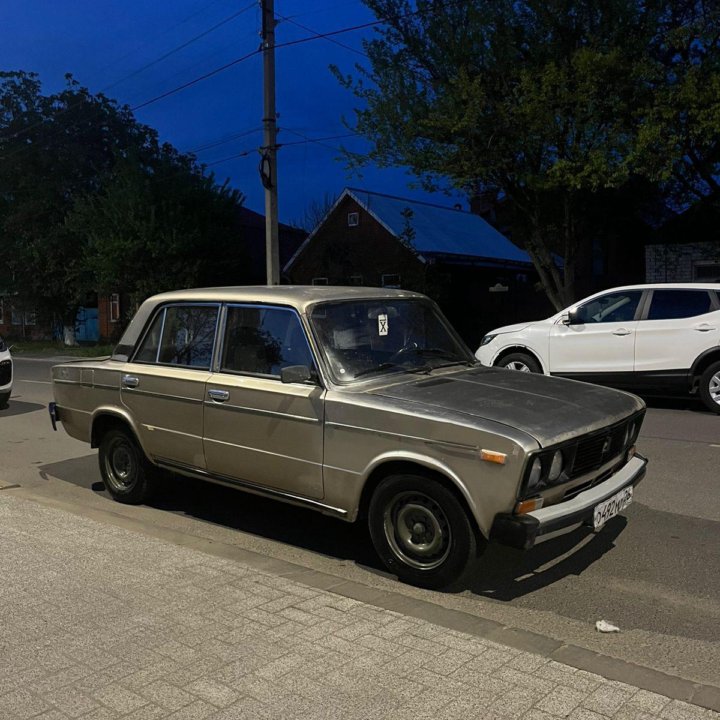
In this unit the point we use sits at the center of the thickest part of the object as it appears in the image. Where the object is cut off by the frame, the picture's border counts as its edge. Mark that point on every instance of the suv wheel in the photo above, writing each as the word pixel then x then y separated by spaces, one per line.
pixel 421 531
pixel 520 361
pixel 710 387
pixel 4 397
pixel 126 472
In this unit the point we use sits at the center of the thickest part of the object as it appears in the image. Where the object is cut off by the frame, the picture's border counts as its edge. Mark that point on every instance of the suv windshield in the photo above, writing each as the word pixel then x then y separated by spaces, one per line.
pixel 361 338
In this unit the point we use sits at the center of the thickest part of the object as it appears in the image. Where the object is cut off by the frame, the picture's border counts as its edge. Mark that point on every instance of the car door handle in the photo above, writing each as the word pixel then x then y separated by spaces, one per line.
pixel 130 381
pixel 703 328
pixel 219 395
pixel 622 331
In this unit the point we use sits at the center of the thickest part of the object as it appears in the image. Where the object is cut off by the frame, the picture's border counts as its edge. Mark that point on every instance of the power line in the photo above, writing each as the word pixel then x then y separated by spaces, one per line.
pixel 196 80
pixel 223 141
pixel 318 35
pixel 287 43
pixel 182 46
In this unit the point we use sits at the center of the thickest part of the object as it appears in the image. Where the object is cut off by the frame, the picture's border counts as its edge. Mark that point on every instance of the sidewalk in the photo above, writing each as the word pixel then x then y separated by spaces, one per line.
pixel 98 622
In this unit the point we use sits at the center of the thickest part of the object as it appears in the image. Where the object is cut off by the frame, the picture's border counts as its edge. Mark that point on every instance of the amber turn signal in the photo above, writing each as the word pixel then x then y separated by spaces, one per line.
pixel 492 456
pixel 526 506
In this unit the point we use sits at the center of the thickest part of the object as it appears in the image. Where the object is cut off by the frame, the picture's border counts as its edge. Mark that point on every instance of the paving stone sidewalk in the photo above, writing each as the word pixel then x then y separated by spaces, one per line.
pixel 97 622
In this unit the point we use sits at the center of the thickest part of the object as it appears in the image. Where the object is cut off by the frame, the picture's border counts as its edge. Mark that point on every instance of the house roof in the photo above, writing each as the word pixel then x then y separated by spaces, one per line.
pixel 439 230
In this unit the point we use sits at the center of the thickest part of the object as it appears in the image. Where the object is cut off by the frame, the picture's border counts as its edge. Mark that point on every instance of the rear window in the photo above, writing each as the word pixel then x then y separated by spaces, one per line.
pixel 675 304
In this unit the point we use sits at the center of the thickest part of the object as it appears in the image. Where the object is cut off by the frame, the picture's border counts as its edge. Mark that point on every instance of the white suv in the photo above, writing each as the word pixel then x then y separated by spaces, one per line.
pixel 655 339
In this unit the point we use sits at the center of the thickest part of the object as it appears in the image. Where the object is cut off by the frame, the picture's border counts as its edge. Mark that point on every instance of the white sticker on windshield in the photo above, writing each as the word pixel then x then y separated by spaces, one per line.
pixel 383 325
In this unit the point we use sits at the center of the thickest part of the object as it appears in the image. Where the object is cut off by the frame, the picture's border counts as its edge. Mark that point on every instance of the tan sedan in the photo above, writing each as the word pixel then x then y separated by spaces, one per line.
pixel 359 403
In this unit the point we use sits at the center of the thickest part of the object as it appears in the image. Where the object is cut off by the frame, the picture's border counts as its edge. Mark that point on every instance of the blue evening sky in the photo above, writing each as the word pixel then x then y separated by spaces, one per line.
pixel 102 42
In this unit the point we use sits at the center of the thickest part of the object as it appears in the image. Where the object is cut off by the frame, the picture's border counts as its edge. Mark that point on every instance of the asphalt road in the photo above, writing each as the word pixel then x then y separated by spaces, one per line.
pixel 655 572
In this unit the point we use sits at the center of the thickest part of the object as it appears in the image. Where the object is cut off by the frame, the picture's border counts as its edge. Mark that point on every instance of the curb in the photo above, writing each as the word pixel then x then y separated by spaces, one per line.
pixel 611 668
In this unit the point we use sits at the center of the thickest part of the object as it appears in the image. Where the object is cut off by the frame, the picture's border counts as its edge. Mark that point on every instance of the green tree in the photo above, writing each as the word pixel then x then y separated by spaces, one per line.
pixel 152 229
pixel 539 100
pixel 90 200
pixel 52 149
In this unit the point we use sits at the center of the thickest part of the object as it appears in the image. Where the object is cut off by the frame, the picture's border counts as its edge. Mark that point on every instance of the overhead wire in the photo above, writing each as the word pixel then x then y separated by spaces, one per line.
pixel 180 47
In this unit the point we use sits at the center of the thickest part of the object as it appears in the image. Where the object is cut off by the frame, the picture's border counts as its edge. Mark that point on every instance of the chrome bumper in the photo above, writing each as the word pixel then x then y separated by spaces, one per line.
pixel 524 531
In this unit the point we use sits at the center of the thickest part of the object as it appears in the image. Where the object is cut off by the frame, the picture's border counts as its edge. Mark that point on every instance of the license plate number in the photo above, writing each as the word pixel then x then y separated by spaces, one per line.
pixel 612 506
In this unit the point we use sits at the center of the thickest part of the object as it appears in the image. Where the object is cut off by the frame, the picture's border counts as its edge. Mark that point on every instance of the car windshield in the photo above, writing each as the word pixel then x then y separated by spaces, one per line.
pixel 362 338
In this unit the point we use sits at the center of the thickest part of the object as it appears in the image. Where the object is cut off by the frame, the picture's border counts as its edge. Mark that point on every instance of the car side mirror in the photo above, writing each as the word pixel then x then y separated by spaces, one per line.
pixel 295 374
pixel 572 318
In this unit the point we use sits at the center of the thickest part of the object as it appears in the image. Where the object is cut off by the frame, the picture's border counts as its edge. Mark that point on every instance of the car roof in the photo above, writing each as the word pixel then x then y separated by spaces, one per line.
pixel 668 286
pixel 298 296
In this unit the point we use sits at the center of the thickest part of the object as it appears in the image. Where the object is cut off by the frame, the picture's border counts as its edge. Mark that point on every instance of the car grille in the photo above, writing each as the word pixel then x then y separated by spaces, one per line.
pixel 594 451
pixel 5 372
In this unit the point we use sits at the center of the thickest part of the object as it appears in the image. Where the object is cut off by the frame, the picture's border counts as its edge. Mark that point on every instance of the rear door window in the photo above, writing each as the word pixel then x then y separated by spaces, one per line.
pixel 674 304
pixel 181 335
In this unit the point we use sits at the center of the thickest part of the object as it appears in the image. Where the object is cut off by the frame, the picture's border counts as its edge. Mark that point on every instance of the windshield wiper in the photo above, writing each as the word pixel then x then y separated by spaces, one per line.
pixel 378 368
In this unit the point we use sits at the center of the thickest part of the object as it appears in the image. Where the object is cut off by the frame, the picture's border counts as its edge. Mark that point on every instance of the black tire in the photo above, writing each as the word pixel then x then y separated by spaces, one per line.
pixel 421 531
pixel 519 361
pixel 127 474
pixel 4 398
pixel 709 387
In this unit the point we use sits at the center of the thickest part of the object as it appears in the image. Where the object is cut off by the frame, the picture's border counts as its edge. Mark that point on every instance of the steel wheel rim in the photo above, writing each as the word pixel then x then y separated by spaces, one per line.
pixel 517 365
pixel 121 465
pixel 417 530
pixel 714 388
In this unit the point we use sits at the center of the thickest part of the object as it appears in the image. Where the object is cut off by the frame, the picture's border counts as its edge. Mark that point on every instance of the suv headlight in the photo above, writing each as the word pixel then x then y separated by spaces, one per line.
pixel 488 339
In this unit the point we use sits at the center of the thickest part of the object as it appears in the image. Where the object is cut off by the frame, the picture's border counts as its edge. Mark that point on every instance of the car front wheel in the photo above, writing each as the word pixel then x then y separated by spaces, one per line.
pixel 421 531
pixel 126 472
pixel 520 361
pixel 710 387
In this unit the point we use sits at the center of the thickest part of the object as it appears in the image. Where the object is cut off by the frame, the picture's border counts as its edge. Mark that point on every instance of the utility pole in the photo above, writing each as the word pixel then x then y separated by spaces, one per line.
pixel 268 161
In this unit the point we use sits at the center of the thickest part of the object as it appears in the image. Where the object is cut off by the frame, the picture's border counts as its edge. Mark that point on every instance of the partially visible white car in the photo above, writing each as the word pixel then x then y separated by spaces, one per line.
pixel 6 374
pixel 659 339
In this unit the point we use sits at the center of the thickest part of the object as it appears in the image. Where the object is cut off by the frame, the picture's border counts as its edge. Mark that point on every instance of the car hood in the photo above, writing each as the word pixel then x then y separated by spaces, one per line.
pixel 509 328
pixel 549 409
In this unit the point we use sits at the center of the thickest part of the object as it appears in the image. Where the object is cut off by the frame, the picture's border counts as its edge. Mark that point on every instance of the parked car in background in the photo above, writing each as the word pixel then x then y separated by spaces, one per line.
pixel 6 374
pixel 657 339
pixel 360 403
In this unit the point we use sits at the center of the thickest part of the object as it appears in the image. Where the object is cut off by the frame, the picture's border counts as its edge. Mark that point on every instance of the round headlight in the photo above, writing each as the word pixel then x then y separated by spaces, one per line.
pixel 535 474
pixel 556 467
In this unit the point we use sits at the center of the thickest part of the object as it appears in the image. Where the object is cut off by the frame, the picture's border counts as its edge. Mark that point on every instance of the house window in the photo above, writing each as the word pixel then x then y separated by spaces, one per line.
pixel 320 281
pixel 114 307
pixel 353 219
pixel 356 280
pixel 391 280
pixel 706 272
pixel 18 317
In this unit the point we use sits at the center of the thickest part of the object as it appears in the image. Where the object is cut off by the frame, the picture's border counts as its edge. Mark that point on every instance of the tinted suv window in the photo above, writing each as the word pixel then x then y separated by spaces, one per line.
pixel 181 335
pixel 672 304
pixel 613 307
pixel 262 341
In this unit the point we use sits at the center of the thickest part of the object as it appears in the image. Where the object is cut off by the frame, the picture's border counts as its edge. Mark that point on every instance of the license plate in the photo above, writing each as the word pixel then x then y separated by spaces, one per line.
pixel 612 506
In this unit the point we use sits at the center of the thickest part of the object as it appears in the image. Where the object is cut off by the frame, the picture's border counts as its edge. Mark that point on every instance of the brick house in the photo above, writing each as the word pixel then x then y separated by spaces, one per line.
pixel 686 248
pixel 478 276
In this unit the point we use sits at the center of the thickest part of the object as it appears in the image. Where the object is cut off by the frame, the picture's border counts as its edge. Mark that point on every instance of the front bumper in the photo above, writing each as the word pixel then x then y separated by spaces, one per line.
pixel 524 531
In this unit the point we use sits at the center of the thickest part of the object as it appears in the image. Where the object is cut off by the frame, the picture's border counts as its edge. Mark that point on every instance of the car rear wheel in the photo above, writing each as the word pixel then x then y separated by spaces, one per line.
pixel 126 472
pixel 520 361
pixel 710 387
pixel 4 398
pixel 421 531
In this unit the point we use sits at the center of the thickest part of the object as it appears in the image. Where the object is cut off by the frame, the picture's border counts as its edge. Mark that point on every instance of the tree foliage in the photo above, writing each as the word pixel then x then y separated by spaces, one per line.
pixel 547 102
pixel 91 200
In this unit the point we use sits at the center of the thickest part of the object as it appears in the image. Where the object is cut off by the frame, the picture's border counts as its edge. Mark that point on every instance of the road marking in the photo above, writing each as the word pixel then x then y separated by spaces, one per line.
pixel 711 445
pixel 38 382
